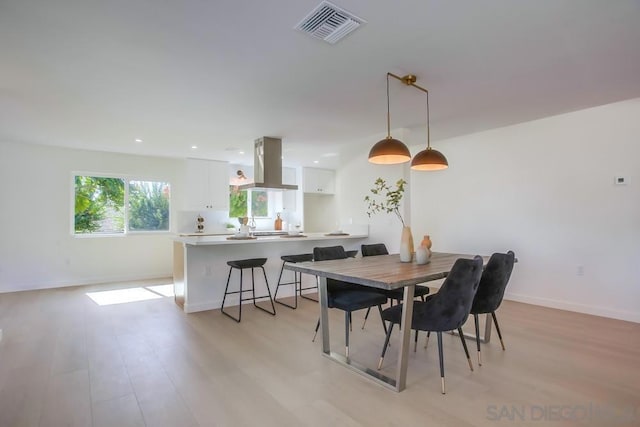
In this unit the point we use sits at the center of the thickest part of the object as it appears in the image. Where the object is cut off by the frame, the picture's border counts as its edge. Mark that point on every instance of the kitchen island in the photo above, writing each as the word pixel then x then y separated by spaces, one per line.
pixel 200 267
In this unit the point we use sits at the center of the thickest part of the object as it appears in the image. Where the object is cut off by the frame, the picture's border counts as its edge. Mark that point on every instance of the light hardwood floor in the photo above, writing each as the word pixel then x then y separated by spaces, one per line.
pixel 64 360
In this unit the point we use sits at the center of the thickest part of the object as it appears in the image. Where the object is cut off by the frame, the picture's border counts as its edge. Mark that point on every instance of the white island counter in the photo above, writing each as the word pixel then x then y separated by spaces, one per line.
pixel 200 267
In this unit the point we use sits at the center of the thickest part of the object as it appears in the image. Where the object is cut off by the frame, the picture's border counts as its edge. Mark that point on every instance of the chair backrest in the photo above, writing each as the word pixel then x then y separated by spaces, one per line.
pixel 328 253
pixel 493 283
pixel 374 249
pixel 449 308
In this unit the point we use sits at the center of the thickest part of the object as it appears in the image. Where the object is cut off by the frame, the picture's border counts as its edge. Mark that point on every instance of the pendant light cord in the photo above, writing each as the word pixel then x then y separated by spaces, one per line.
pixel 428 130
pixel 388 111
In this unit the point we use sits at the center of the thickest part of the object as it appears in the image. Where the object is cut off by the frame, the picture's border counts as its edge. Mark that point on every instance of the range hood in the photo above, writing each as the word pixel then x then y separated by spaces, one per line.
pixel 267 166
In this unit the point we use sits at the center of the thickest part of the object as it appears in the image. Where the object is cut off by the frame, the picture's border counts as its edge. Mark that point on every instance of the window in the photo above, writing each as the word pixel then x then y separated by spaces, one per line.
pixel 248 203
pixel 105 205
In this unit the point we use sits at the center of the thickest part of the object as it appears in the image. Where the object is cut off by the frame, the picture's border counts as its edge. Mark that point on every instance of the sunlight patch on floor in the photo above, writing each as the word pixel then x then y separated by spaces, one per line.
pixel 164 290
pixel 121 296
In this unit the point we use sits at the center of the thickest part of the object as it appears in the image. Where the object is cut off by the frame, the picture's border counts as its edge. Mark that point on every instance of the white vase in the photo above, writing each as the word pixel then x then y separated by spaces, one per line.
pixel 406 245
pixel 422 255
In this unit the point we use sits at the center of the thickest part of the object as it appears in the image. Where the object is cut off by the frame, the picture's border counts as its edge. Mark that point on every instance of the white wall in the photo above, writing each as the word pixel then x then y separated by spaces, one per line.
pixel 356 177
pixel 37 249
pixel 544 189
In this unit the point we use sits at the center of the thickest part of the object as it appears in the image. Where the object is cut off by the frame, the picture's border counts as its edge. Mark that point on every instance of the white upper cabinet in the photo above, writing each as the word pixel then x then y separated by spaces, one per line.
pixel 319 181
pixel 207 185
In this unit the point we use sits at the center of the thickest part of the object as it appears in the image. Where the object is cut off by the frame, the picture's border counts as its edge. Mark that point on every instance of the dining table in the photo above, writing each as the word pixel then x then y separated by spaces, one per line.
pixel 381 272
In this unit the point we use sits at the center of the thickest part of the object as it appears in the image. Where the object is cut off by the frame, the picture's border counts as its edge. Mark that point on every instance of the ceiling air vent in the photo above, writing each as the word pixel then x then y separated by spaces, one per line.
pixel 330 23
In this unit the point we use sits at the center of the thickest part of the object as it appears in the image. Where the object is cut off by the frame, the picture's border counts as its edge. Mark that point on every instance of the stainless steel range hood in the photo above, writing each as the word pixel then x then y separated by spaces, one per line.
pixel 267 166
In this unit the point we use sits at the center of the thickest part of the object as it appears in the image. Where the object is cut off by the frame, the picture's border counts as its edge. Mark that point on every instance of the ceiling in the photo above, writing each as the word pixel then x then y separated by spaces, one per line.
pixel 218 74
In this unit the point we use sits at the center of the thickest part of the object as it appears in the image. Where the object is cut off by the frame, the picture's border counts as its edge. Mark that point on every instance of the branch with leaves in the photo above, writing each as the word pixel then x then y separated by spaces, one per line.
pixel 385 199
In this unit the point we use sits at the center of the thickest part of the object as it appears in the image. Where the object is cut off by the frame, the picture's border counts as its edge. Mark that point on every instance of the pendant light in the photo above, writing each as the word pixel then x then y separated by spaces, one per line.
pixel 392 151
pixel 389 151
pixel 429 159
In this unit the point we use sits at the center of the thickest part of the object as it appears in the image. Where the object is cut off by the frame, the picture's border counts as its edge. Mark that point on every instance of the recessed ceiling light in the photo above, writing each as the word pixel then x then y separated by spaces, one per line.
pixel 316 162
pixel 194 147
pixel 240 152
pixel 138 140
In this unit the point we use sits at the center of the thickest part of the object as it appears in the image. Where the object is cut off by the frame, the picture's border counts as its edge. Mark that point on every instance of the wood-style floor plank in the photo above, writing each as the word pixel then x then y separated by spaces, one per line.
pixel 64 360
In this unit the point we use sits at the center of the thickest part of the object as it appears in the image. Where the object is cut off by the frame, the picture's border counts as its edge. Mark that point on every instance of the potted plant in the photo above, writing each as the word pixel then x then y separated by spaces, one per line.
pixel 383 198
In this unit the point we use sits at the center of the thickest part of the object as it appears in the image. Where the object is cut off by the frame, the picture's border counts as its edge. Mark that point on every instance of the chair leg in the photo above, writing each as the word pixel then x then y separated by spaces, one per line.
pixel 415 342
pixel 495 321
pixel 316 333
pixel 441 357
pixel 366 316
pixel 426 341
pixel 384 326
pixel 295 295
pixel 477 323
pixel 347 325
pixel 266 283
pixel 226 289
pixel 386 344
pixel 464 345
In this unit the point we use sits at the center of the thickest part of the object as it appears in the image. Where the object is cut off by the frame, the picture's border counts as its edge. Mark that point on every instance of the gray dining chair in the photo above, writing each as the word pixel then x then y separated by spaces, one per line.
pixel 444 311
pixel 346 296
pixel 493 283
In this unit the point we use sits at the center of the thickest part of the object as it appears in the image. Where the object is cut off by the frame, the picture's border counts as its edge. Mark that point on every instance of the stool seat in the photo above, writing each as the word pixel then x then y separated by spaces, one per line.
pixel 247 263
pixel 297 258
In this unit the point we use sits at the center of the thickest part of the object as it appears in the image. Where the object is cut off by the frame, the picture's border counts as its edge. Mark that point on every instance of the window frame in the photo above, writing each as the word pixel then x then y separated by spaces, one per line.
pixel 126 178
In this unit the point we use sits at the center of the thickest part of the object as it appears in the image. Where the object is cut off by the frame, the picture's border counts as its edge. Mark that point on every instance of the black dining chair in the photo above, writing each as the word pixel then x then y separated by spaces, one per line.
pixel 396 295
pixel 346 296
pixel 444 311
pixel 491 289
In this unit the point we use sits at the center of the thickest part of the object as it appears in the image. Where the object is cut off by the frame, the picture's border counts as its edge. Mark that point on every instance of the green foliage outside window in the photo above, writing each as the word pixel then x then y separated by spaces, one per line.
pixel 148 206
pixel 259 204
pixel 99 204
pixel 237 203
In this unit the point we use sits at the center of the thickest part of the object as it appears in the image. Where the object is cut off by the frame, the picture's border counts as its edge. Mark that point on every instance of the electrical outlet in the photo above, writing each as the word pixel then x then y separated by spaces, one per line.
pixel 580 270
pixel 208 271
pixel 620 180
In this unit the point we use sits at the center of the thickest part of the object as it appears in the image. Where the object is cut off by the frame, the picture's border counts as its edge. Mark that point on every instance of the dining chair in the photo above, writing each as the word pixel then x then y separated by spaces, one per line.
pixel 491 291
pixel 444 311
pixel 396 295
pixel 345 296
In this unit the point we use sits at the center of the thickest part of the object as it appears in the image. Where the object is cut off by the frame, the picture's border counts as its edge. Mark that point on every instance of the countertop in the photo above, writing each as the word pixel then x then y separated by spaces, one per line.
pixel 205 240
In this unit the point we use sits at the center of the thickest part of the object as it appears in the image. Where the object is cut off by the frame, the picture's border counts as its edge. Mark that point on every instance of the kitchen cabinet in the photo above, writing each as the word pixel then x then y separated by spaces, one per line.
pixel 207 184
pixel 319 181
pixel 289 197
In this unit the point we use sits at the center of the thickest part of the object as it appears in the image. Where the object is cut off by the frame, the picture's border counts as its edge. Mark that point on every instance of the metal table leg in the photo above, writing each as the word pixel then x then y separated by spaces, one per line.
pixel 397 384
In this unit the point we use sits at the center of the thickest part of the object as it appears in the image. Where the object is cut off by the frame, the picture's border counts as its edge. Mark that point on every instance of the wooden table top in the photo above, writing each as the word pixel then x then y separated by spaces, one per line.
pixel 384 271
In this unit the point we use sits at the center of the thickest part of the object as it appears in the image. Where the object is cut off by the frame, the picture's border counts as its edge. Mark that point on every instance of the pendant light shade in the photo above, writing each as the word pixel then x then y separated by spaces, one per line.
pixel 389 151
pixel 392 151
pixel 429 160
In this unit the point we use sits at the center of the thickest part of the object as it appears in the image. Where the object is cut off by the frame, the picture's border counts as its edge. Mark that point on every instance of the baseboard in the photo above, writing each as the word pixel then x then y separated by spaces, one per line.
pixel 629 316
pixel 91 281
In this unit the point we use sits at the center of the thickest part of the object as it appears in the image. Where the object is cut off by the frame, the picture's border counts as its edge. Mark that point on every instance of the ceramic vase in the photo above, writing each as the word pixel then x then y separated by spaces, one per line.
pixel 426 242
pixel 406 245
pixel 422 255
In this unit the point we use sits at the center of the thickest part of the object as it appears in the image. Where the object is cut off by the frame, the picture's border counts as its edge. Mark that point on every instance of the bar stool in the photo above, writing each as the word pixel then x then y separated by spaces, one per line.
pixel 241 265
pixel 297 279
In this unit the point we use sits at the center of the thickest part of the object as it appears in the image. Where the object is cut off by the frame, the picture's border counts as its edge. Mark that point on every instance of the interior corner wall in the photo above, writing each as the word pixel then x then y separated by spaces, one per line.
pixel 546 190
pixel 37 248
